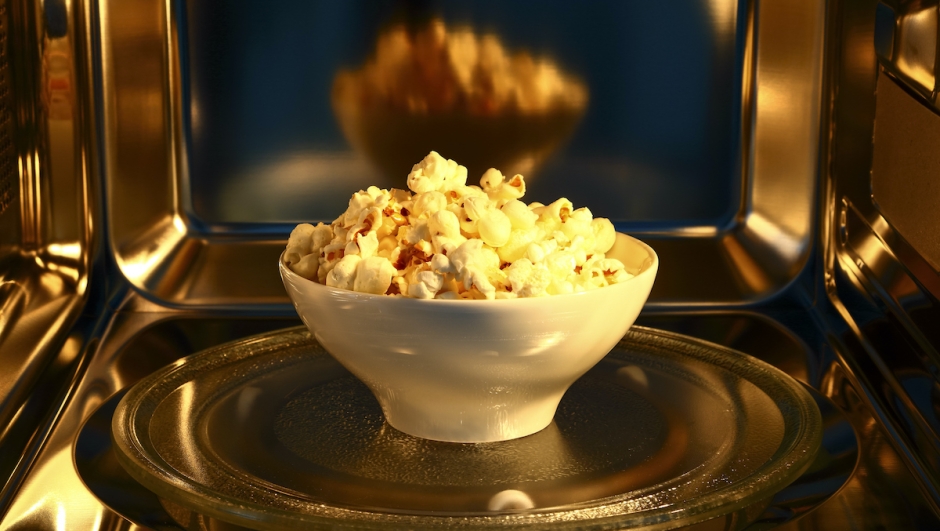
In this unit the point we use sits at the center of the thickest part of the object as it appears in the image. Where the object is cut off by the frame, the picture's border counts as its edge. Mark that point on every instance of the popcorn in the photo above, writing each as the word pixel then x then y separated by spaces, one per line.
pixel 445 232
pixel 604 234
pixel 343 274
pixel 435 173
pixel 373 275
pixel 448 240
pixel 307 266
pixel 426 284
pixel 527 279
pixel 519 214
pixel 473 264
pixel 494 228
pixel 501 190
pixel 518 243
pixel 365 245
pixel 435 68
pixel 306 239
pixel 427 202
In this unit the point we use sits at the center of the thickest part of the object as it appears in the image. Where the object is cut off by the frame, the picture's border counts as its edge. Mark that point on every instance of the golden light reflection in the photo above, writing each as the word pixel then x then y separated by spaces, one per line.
pixel 186 409
pixel 13 298
pixel 633 376
pixel 723 16
pixel 782 166
pixel 246 400
pixel 140 261
pixel 917 52
pixel 71 251
pixel 543 342
pixel 30 168
pixel 458 92
pixel 64 260
pixel 750 272
pixel 787 246
pixel 60 518
pixel 64 503
pixel 510 500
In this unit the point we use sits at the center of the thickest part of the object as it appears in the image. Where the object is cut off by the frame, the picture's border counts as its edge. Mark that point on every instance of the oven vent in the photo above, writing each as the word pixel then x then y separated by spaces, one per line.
pixel 8 193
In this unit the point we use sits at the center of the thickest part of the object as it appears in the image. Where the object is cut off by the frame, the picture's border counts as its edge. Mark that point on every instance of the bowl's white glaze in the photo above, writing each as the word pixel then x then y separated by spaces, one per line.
pixel 473 371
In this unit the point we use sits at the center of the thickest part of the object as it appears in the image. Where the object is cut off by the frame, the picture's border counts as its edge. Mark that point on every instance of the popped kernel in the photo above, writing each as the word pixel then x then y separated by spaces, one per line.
pixel 494 228
pixel 519 214
pixel 373 275
pixel 426 284
pixel 343 274
pixel 448 240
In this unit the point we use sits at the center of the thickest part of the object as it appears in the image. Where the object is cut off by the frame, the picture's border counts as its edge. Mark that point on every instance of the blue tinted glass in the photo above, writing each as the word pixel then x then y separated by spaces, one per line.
pixel 656 139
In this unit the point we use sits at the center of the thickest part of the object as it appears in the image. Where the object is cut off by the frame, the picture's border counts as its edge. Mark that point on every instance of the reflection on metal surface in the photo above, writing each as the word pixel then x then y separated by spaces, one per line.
pixel 41 305
pixel 905 38
pixel 12 302
pixel 879 259
pixel 140 342
pixel 782 166
pixel 155 244
pixel 917 46
pixel 142 257
pixel 786 245
pixel 460 93
pixel 770 241
pixel 99 470
pixel 62 498
pixel 46 238
pixel 748 271
pixel 836 464
pixel 436 69
pixel 723 15
pixel 53 495
pixel 896 331
pixel 880 488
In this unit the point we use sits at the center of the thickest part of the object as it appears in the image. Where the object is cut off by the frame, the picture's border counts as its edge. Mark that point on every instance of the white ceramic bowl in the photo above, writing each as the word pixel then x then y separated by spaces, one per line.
pixel 473 371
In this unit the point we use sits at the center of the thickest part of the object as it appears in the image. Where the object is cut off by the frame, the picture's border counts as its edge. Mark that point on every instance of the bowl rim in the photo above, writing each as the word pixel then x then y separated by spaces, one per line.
pixel 650 268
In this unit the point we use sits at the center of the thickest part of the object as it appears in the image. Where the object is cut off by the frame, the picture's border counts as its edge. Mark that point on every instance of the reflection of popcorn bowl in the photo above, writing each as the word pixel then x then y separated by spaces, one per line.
pixel 473 370
pixel 460 93
pixel 393 139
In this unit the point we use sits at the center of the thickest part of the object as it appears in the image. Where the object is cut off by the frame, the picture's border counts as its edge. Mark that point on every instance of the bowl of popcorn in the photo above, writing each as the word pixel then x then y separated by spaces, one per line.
pixel 458 90
pixel 467 312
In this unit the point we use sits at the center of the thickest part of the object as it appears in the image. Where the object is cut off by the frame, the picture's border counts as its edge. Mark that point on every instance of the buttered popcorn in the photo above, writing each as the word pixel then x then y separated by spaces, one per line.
pixel 446 239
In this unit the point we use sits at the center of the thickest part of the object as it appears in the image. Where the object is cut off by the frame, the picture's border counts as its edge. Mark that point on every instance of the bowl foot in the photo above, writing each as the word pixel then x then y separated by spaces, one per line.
pixel 451 423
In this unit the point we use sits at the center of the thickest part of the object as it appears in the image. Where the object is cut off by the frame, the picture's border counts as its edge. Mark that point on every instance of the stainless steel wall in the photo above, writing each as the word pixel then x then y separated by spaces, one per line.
pixel 699 135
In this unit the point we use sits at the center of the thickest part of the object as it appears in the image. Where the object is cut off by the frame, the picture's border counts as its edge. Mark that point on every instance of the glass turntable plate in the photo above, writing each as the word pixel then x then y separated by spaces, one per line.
pixel 271 433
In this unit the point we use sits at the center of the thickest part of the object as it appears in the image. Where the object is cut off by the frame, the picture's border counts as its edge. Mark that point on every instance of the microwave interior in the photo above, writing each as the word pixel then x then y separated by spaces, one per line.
pixel 163 150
